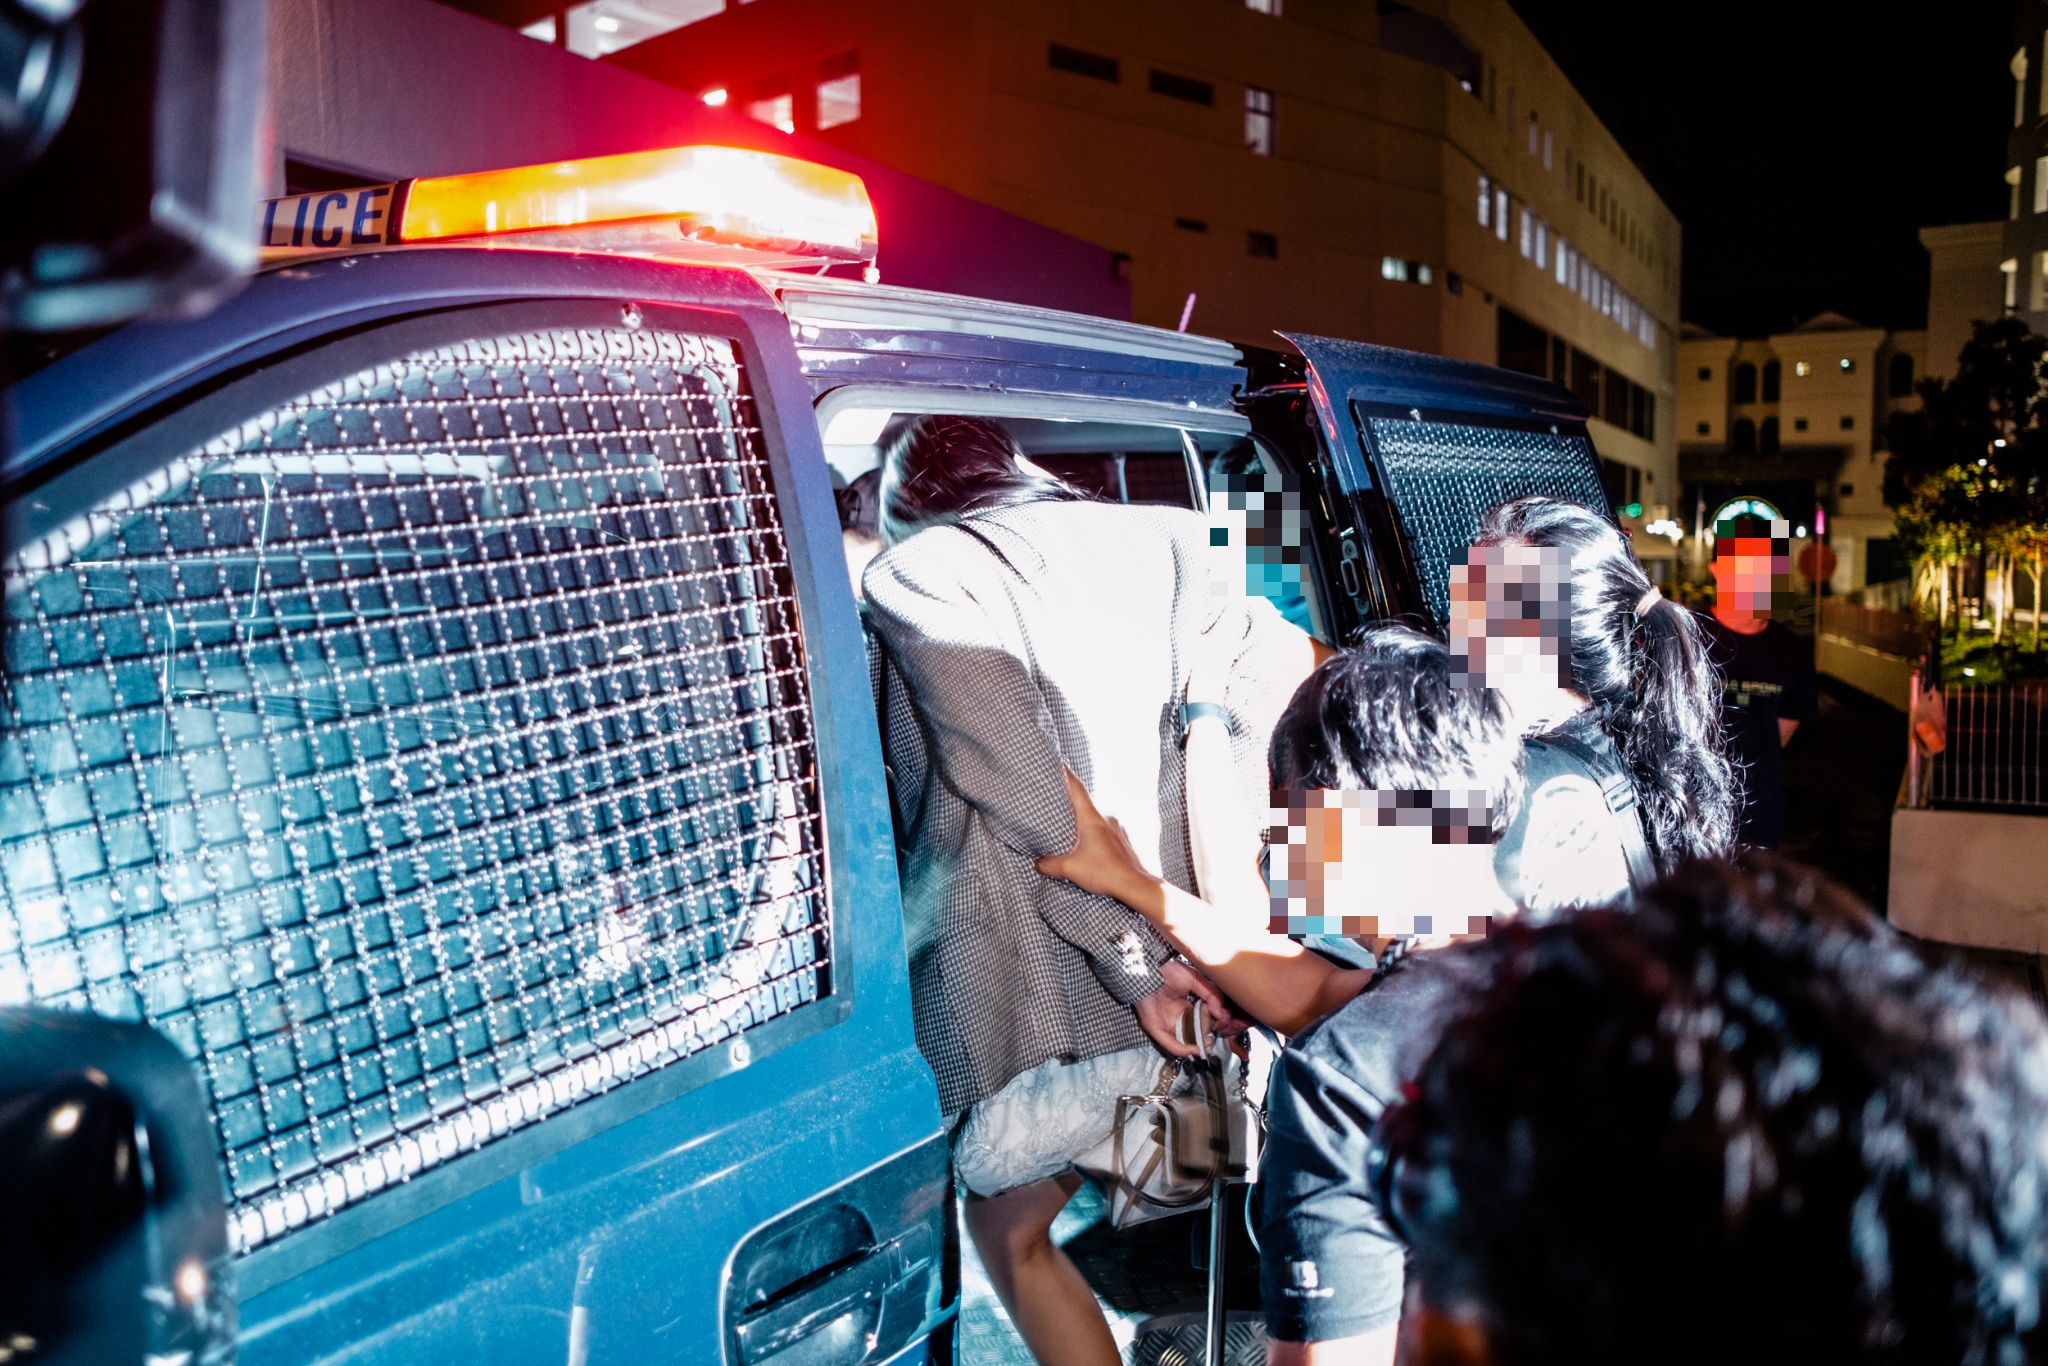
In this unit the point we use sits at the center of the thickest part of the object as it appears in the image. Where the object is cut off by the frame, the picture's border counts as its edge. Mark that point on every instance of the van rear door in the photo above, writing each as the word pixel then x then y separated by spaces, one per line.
pixel 1414 448
pixel 435 704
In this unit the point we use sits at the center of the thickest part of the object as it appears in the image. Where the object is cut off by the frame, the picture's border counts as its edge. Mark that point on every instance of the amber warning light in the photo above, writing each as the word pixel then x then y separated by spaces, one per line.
pixel 681 203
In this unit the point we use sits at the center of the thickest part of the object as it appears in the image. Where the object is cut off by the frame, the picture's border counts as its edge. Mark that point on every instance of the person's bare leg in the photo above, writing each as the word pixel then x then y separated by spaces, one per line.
pixel 1052 1306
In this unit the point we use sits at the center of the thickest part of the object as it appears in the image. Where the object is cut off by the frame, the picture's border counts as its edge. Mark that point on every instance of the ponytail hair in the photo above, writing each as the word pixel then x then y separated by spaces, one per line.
pixel 1641 662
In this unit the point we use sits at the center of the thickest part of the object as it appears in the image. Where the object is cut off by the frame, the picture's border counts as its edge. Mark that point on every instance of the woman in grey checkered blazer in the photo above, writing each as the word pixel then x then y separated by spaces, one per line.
pixel 1034 630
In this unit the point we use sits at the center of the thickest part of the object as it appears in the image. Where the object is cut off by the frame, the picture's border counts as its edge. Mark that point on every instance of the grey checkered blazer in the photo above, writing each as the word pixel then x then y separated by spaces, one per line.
pixel 1017 641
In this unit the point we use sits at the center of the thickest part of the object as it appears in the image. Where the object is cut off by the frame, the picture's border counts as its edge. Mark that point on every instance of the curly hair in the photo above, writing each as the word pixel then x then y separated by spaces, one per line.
pixel 1746 1123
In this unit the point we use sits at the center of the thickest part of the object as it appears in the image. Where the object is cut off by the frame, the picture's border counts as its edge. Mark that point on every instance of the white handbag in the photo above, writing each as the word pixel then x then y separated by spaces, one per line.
pixel 1201 1122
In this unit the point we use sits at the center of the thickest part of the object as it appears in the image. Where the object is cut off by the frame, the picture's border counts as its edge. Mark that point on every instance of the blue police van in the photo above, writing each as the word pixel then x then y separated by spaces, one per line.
pixel 448 904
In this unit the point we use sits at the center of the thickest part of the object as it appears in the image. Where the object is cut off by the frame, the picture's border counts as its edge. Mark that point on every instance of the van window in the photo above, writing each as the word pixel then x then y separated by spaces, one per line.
pixel 1263 514
pixel 424 755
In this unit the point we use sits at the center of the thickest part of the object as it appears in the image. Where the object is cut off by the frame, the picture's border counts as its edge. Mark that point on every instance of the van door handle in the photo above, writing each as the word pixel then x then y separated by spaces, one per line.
pixel 831 1316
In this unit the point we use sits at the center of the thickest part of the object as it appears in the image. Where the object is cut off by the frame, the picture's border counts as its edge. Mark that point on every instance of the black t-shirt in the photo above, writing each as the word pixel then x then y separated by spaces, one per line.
pixel 1328 1267
pixel 1765 678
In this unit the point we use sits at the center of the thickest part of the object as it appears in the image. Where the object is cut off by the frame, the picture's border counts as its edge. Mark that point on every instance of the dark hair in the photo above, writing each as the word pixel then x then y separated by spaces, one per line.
pixel 860 504
pixel 1646 673
pixel 1746 1123
pixel 1392 713
pixel 941 469
pixel 1746 525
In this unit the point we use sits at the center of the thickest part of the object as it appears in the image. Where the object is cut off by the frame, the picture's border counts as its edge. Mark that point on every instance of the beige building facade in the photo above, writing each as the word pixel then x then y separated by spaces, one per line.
pixel 1419 175
pixel 1797 418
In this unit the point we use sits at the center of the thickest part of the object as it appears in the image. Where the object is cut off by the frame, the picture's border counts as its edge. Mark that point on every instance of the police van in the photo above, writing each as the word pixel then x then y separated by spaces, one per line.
pixel 437 718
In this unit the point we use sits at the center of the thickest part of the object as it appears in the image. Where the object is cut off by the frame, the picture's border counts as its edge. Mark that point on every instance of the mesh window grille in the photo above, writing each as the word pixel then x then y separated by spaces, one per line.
pixel 426 756
pixel 1441 476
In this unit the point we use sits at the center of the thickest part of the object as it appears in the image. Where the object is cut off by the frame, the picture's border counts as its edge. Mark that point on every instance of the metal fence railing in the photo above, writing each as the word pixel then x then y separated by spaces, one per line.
pixel 1982 748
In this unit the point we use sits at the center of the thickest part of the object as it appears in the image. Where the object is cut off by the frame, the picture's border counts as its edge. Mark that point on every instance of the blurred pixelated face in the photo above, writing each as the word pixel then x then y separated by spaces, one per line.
pixel 1511 614
pixel 1378 863
pixel 1749 570
pixel 1263 528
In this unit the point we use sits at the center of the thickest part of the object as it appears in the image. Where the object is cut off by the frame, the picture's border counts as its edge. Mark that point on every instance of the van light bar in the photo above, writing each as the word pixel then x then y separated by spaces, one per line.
pixel 698 203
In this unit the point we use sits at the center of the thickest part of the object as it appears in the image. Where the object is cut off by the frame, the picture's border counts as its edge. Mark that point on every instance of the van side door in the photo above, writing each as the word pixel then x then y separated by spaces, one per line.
pixel 1411 449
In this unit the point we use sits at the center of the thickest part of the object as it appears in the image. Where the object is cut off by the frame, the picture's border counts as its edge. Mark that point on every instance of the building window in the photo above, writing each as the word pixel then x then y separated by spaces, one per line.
pixel 772 103
pixel 1564 265
pixel 2037 283
pixel 1745 383
pixel 838 90
pixel 1742 439
pixel 1771 374
pixel 1848 423
pixel 1264 244
pixel 1527 238
pixel 2019 87
pixel 1258 120
pixel 1072 59
pixel 2012 181
pixel 1534 133
pixel 1801 369
pixel 1704 428
pixel 1902 376
pixel 1500 213
pixel 1271 7
pixel 1485 202
pixel 1767 436
pixel 1579 181
pixel 1183 88
pixel 1405 271
pixel 1706 372
pixel 1542 245
pixel 1191 225
pixel 1848 490
pixel 1546 149
pixel 1848 366
pixel 1798 424
pixel 1454 282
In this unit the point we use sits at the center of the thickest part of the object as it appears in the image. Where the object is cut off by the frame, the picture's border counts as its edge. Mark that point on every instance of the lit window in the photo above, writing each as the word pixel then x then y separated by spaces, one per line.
pixel 838 90
pixel 2012 181
pixel 1564 252
pixel 1500 213
pixel 2037 287
pixel 1528 234
pixel 1485 202
pixel 772 104
pixel 1421 272
pixel 2011 271
pixel 2041 184
pixel 1271 7
pixel 2019 87
pixel 1542 246
pixel 1258 116
pixel 1848 366
pixel 1802 369
pixel 1393 268
pixel 602 27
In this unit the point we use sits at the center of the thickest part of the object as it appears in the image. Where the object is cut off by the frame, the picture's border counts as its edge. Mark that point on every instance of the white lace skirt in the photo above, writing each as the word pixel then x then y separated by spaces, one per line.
pixel 1037 1125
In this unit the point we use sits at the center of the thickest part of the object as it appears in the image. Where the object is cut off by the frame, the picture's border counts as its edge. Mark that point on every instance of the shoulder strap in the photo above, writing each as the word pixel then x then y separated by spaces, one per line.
pixel 1620 795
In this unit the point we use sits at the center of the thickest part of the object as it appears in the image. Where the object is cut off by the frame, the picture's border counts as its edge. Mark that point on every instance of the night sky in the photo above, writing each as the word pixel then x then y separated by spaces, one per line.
pixel 1802 143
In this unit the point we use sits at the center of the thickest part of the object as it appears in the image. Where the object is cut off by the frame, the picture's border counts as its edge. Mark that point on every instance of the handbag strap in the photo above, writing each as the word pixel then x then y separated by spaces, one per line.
pixel 1619 792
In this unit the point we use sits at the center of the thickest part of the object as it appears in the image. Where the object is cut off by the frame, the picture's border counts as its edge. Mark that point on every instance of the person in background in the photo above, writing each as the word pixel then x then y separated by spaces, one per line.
pixel 1767 674
pixel 860 522
pixel 1625 775
pixel 1038 630
pixel 1746 1123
